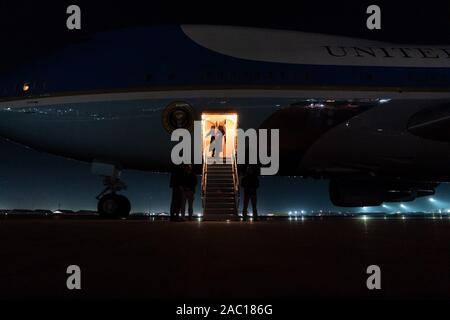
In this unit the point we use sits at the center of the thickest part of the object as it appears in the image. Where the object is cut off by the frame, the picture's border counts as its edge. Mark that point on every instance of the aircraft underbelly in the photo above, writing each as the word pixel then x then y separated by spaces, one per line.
pixel 128 129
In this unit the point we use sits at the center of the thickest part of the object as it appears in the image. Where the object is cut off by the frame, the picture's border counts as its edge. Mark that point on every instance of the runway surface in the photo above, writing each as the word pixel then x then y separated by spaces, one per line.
pixel 280 259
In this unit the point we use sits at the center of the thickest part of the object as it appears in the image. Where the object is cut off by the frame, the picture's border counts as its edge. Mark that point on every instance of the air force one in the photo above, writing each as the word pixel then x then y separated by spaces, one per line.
pixel 372 117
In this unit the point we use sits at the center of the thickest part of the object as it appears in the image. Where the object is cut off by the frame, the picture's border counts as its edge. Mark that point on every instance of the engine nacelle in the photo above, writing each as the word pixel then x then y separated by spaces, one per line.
pixel 355 193
pixel 373 192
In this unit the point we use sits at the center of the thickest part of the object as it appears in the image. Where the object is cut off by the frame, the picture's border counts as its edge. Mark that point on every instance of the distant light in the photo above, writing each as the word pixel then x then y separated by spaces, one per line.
pixel 290 212
pixel 316 105
pixel 384 206
pixel 364 217
pixel 295 212
pixel 432 199
pixel 384 100
pixel 26 87
pixel 303 211
pixel 403 206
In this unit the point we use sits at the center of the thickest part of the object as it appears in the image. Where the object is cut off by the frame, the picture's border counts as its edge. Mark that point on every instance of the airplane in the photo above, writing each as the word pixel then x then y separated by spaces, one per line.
pixel 372 117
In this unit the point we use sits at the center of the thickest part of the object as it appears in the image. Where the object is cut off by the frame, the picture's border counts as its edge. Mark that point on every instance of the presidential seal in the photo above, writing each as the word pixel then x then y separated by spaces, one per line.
pixel 178 115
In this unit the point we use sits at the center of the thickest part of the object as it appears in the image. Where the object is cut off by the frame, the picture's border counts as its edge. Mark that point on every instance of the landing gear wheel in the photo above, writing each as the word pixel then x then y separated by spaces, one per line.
pixel 113 206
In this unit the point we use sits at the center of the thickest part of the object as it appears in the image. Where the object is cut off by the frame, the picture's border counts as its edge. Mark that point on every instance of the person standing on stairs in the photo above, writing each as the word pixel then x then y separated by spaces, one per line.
pixel 212 133
pixel 223 140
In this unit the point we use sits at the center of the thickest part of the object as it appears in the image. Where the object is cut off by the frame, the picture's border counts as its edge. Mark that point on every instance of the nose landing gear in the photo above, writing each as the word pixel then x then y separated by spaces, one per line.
pixel 113 205
pixel 110 204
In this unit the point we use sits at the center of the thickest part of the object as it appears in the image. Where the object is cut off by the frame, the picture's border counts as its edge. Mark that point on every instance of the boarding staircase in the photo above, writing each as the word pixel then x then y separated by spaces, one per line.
pixel 220 187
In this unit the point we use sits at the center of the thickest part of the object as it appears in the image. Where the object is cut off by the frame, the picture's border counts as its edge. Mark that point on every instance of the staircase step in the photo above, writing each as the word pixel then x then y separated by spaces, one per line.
pixel 214 207
pixel 220 169
pixel 219 163
pixel 220 205
pixel 220 211
pixel 219 202
pixel 220 174
pixel 219 183
pixel 215 187
pixel 218 178
pixel 220 186
pixel 219 199
pixel 220 193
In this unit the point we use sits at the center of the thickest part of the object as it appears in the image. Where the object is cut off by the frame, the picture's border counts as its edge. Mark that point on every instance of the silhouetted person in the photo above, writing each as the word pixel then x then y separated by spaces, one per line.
pixel 250 184
pixel 212 133
pixel 176 179
pixel 189 183
pixel 222 131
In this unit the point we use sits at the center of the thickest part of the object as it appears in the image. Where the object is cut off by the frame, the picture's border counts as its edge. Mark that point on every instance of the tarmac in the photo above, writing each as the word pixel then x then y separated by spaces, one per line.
pixel 153 259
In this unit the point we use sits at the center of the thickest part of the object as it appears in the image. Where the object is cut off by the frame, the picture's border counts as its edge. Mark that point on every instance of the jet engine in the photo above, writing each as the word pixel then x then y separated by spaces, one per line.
pixel 373 192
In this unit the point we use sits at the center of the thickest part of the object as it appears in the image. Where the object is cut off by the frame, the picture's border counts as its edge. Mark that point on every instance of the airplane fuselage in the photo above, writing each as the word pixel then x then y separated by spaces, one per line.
pixel 342 105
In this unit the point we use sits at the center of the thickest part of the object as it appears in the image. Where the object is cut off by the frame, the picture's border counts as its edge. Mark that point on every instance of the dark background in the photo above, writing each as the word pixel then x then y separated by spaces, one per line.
pixel 30 30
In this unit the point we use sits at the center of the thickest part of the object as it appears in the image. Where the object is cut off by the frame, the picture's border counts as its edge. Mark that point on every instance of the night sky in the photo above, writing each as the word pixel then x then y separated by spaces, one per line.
pixel 30 30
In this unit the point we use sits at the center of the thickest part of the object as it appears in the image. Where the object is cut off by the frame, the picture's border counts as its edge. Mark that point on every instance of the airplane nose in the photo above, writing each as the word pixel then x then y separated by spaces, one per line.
pixel 19 126
pixel 86 134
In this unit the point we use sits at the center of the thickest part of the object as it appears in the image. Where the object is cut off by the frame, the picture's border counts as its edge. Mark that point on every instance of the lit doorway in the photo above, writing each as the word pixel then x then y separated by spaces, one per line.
pixel 226 123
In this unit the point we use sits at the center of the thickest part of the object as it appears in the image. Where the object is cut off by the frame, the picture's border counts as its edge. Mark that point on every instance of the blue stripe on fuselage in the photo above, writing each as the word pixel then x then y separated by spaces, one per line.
pixel 166 57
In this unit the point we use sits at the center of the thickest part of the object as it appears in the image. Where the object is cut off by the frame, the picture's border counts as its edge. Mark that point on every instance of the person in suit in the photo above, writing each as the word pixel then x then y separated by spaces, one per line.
pixel 189 183
pixel 250 184
pixel 176 177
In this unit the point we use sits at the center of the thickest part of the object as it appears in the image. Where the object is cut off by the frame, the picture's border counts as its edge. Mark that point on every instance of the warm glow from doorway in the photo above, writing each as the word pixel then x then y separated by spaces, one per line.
pixel 229 121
